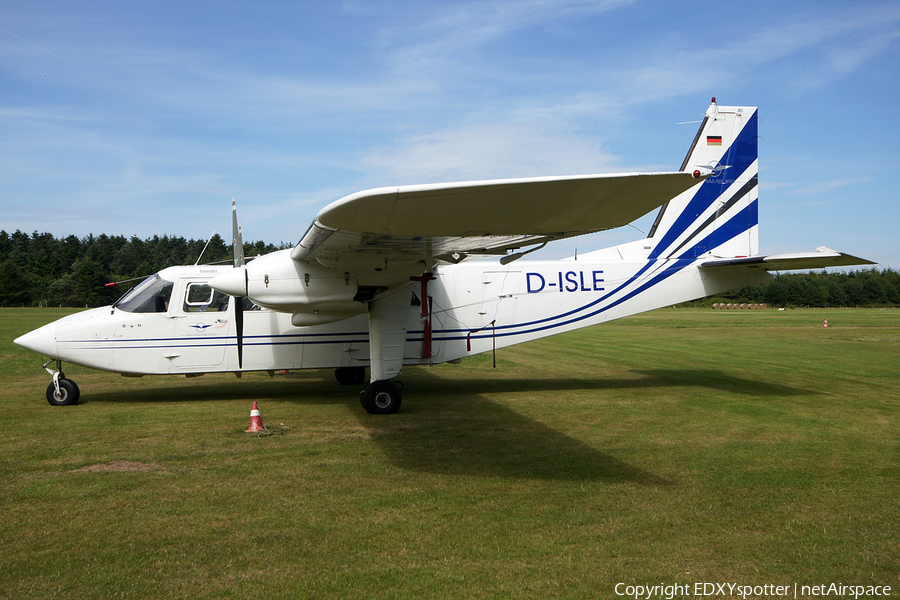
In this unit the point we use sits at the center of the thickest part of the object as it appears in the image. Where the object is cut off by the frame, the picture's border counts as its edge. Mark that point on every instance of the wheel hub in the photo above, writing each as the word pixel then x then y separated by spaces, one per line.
pixel 382 400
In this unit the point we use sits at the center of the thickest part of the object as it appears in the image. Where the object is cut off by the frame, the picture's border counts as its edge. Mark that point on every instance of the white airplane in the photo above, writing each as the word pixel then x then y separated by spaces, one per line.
pixel 381 278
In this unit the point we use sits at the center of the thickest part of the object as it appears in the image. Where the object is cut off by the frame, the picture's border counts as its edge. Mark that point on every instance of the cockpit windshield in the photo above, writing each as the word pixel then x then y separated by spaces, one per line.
pixel 149 296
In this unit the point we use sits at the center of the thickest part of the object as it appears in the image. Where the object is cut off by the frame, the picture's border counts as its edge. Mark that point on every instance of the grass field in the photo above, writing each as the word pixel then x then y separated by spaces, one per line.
pixel 679 446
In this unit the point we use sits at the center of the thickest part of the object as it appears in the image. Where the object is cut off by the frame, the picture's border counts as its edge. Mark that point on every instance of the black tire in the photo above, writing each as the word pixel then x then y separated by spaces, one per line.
pixel 380 398
pixel 68 393
pixel 350 375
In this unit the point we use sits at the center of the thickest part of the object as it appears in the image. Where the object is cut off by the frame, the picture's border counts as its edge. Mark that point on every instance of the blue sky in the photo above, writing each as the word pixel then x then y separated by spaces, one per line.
pixel 139 118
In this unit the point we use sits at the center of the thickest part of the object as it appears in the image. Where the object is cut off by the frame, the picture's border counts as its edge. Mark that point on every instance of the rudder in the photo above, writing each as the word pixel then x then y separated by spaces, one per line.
pixel 717 218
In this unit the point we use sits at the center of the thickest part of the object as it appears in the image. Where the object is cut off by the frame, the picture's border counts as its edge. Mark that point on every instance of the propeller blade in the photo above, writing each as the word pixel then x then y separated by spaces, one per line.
pixel 238 240
pixel 239 326
pixel 238 300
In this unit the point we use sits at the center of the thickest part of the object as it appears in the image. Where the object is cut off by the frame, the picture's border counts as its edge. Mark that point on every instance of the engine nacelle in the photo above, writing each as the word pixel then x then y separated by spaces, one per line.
pixel 277 282
pixel 328 312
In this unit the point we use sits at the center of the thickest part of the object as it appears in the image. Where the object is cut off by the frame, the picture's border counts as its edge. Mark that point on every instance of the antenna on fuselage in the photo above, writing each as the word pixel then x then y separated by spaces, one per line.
pixel 204 248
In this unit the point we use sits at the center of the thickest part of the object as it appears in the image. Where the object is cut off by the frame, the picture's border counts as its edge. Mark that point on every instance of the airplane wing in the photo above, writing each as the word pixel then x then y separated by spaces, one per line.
pixel 821 258
pixel 454 220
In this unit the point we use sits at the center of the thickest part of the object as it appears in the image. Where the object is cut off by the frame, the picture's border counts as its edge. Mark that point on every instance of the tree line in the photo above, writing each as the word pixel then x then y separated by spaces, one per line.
pixel 41 270
pixel 858 288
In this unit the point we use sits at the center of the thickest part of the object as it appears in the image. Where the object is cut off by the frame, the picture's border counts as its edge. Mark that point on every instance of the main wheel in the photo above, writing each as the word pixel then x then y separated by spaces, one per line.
pixel 350 375
pixel 380 398
pixel 68 393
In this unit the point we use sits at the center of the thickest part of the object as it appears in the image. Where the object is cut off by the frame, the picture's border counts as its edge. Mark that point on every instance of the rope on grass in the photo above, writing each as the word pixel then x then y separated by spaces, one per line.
pixel 268 432
pixel 264 433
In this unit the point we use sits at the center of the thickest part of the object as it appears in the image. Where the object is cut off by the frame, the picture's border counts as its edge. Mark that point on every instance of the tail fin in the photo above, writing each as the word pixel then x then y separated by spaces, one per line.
pixel 717 218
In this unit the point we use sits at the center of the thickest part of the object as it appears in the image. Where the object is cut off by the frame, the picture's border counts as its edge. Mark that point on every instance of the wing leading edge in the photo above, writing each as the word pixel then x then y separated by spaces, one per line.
pixel 450 221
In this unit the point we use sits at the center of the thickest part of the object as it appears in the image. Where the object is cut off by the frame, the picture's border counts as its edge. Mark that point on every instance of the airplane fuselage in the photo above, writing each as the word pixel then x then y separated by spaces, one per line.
pixel 473 307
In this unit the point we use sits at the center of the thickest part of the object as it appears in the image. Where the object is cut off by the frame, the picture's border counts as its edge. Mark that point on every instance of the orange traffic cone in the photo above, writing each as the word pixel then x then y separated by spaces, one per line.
pixel 256 422
pixel 826 323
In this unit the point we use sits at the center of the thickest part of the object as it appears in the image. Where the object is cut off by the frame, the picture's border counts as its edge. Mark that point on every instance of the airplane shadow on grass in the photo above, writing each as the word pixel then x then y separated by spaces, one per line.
pixel 318 387
pixel 449 426
pixel 650 378
pixel 480 438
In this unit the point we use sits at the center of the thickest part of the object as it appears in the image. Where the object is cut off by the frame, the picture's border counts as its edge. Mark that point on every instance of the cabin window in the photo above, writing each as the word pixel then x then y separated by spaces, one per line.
pixel 202 298
pixel 149 296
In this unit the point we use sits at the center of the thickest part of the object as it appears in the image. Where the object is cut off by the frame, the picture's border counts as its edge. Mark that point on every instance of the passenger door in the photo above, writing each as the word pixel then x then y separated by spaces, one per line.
pixel 202 328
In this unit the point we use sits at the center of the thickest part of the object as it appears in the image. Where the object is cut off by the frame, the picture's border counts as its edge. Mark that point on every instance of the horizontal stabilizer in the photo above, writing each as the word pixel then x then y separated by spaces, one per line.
pixel 820 259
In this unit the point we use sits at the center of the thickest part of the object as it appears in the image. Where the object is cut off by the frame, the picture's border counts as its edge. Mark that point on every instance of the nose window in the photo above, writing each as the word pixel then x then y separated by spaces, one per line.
pixel 150 296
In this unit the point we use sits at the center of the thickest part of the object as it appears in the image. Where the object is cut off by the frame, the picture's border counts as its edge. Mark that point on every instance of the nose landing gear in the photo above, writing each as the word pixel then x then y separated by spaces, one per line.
pixel 61 391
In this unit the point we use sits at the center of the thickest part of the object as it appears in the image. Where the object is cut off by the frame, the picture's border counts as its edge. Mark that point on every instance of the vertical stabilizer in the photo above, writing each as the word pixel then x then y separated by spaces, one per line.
pixel 717 218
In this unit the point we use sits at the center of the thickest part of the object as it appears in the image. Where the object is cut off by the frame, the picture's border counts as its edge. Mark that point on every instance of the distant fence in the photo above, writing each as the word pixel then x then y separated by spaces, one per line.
pixel 745 306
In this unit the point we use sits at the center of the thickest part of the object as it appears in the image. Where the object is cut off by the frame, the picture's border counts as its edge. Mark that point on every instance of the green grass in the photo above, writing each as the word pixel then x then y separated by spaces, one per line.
pixel 683 445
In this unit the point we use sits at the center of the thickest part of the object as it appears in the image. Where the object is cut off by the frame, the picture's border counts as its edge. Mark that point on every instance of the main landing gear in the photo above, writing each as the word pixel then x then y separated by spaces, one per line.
pixel 350 375
pixel 61 391
pixel 378 397
pixel 381 398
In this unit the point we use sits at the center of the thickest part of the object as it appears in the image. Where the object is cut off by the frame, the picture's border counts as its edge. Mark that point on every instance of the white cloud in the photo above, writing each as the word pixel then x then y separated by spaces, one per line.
pixel 823 187
pixel 490 151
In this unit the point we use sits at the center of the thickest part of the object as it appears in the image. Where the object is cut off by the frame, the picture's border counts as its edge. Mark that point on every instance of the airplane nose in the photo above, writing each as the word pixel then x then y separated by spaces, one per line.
pixel 42 340
pixel 233 282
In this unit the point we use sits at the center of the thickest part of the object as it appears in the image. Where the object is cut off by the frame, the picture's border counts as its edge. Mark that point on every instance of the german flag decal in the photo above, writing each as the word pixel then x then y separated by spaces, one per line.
pixel 714 140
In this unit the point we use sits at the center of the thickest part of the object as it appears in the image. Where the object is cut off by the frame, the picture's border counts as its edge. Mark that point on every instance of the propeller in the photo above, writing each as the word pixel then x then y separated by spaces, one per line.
pixel 238 300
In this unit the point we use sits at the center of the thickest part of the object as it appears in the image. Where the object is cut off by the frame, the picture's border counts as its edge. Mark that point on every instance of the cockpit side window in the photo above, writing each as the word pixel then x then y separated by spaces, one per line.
pixel 199 297
pixel 150 296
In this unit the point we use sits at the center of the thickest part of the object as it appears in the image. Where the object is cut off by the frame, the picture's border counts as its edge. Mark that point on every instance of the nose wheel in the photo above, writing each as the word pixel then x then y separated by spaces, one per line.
pixel 65 395
pixel 61 391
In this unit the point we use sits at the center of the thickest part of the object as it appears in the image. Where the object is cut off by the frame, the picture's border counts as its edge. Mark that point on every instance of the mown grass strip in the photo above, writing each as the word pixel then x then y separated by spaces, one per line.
pixel 676 446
